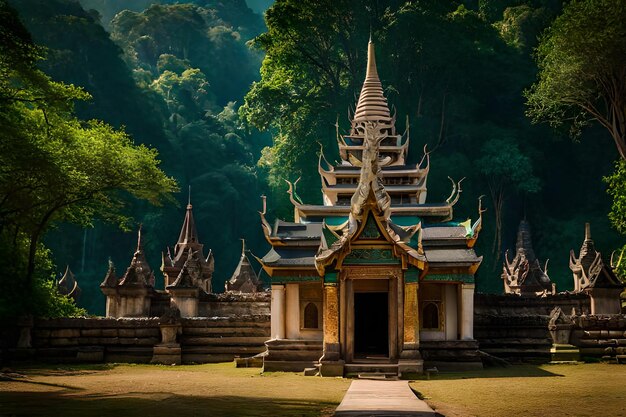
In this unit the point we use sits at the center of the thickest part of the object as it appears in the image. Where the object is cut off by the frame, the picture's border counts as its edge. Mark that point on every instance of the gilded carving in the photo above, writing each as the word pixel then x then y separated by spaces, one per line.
pixel 410 313
pixel 370 272
pixel 331 314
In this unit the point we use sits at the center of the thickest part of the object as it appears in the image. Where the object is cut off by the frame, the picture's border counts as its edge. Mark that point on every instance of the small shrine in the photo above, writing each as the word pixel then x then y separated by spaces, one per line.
pixel 188 255
pixel 244 279
pixel 187 275
pixel 129 295
pixel 594 277
pixel 374 275
pixel 523 275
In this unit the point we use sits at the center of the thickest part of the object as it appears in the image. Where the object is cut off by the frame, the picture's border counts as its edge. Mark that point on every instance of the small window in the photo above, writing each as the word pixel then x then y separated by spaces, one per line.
pixel 430 316
pixel 310 316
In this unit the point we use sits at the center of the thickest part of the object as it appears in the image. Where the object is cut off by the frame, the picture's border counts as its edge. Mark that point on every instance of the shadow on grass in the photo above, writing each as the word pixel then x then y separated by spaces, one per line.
pixel 27 381
pixel 512 371
pixel 50 369
pixel 156 404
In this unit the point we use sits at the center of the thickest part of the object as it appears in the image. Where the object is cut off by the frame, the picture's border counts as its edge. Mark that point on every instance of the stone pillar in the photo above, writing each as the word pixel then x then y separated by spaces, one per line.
pixel 410 358
pixel 450 302
pixel 330 362
pixel 467 311
pixel 186 300
pixel 168 352
pixel 277 324
pixel 292 314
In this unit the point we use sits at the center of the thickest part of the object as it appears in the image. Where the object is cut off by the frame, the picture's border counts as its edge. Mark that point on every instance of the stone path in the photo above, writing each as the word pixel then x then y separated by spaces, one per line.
pixel 382 398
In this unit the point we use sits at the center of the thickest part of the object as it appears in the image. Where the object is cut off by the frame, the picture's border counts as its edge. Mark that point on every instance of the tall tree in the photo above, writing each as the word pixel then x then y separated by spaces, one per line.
pixel 53 167
pixel 582 69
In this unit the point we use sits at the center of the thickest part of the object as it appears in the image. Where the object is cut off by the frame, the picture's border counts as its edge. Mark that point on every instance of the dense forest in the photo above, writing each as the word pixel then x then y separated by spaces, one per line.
pixel 111 110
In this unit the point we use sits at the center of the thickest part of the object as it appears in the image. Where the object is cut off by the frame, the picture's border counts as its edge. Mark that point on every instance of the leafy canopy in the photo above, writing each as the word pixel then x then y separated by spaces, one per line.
pixel 582 70
pixel 55 168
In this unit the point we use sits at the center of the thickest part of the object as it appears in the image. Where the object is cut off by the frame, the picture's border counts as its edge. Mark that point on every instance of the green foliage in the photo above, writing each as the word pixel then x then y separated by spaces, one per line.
pixel 504 163
pixel 55 168
pixel 42 299
pixel 617 190
pixel 582 71
pixel 198 35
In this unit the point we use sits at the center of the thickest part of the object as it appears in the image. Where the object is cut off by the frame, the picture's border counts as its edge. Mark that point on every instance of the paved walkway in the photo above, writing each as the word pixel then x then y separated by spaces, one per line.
pixel 382 398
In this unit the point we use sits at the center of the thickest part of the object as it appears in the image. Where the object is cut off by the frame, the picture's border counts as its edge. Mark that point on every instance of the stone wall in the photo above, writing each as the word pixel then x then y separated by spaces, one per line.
pixel 234 304
pixel 515 327
pixel 600 335
pixel 132 340
pixel 513 305
pixel 514 337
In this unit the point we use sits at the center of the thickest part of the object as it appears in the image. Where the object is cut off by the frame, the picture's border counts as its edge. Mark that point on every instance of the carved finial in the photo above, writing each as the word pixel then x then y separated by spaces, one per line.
pixel 189 197
pixel 264 201
pixel 587 231
pixel 139 237
pixel 408 126
pixel 243 246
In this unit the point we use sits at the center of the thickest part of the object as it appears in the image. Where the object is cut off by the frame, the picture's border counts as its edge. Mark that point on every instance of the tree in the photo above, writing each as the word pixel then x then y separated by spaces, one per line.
pixel 506 169
pixel 53 167
pixel 582 70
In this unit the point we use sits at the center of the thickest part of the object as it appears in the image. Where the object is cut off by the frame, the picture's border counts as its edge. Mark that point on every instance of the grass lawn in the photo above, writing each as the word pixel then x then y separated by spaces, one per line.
pixel 223 390
pixel 525 390
pixel 152 390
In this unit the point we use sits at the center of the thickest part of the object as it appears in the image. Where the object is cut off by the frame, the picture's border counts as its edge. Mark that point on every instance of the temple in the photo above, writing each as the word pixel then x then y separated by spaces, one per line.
pixel 130 295
pixel 595 278
pixel 187 274
pixel 188 255
pixel 374 278
pixel 523 275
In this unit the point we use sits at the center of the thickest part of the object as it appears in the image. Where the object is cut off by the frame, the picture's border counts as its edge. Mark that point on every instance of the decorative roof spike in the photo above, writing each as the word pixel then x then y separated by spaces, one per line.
pixel 68 285
pixel 188 233
pixel 589 270
pixel 524 275
pixel 139 272
pixel 372 104
pixel 139 242
pixel 110 280
pixel 244 279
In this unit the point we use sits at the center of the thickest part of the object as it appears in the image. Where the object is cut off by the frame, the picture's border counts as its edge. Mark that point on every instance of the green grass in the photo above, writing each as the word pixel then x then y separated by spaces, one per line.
pixel 154 390
pixel 596 389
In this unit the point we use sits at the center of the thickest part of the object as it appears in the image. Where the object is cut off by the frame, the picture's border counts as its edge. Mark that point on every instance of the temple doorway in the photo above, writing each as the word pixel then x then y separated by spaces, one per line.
pixel 371 325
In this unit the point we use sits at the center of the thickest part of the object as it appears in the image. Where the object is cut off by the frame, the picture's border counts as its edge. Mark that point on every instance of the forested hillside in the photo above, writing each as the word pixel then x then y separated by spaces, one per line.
pixel 235 106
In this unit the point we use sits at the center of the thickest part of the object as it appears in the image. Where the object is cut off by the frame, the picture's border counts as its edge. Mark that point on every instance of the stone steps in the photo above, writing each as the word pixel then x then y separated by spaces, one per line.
pixel 223 341
pixel 378 370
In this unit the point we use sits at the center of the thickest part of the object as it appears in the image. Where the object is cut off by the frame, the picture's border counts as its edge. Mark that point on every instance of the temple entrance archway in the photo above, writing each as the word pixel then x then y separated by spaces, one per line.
pixel 371 325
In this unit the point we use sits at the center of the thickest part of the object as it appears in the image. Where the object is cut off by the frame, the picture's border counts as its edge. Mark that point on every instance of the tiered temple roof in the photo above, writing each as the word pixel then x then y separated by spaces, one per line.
pixel 589 270
pixel 188 263
pixel 389 197
pixel 244 279
pixel 406 184
pixel 523 274
pixel 138 274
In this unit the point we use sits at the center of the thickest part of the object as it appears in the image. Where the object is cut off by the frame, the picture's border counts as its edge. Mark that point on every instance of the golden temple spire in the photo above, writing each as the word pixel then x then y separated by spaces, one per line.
pixel 372 104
